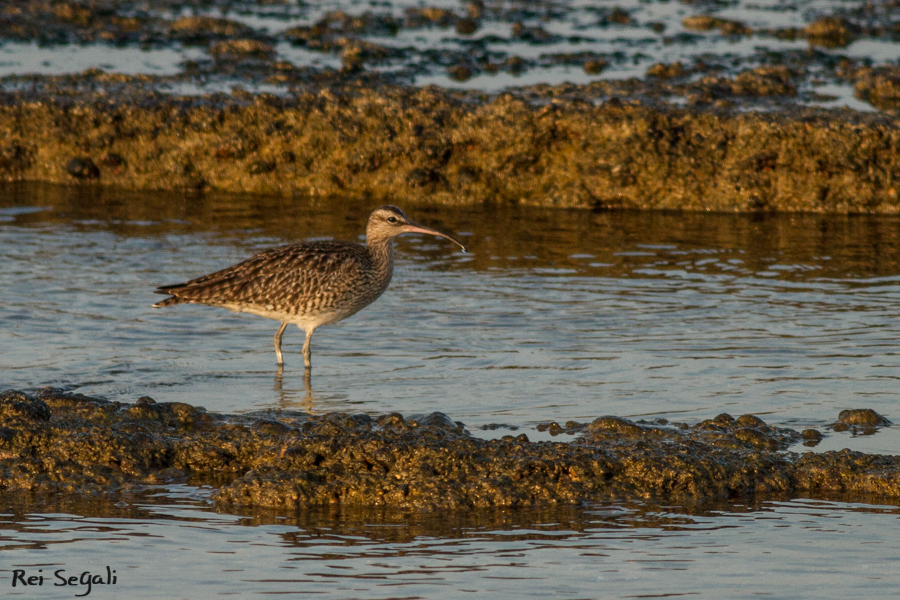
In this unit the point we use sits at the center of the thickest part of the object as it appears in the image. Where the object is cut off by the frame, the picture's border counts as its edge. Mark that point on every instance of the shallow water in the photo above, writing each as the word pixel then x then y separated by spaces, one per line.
pixel 554 315
pixel 171 545
pixel 561 32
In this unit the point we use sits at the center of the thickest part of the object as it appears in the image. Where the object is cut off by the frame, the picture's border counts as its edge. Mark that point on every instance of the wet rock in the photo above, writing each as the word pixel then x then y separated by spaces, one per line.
pixel 619 17
pixel 241 48
pixel 533 35
pixel 831 32
pixel 466 26
pixel 664 71
pixel 15 158
pixel 421 177
pixel 197 28
pixel 811 437
pixel 271 427
pixel 430 15
pixel 501 147
pixel 708 23
pixel 475 9
pixel 764 81
pixel 292 460
pixel 6 435
pixel 554 428
pixel 756 438
pixel 863 421
pixel 848 473
pixel 358 421
pixel 595 67
pixel 437 420
pixel 734 28
pixel 261 167
pixel 515 64
pixel 700 22
pixel 352 58
pixel 863 416
pixel 751 421
pixel 615 426
pixel 82 167
pixel 15 406
pixel 114 161
pixel 879 86
pixel 460 73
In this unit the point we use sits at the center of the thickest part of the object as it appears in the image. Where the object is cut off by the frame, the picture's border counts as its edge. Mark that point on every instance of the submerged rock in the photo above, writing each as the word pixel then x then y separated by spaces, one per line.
pixel 56 442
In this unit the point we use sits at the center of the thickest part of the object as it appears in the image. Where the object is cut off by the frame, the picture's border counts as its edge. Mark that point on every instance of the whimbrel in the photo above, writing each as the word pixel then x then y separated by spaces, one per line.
pixel 309 284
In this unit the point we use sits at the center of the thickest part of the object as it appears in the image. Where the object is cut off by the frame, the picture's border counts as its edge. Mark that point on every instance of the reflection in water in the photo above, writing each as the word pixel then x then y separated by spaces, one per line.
pixel 168 543
pixel 287 399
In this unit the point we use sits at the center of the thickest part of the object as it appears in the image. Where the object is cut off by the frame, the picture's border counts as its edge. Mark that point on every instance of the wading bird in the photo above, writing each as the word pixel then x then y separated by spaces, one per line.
pixel 309 284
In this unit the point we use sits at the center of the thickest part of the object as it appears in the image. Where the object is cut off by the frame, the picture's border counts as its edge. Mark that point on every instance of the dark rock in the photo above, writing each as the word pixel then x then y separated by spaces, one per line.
pixel 664 71
pixel 16 158
pixel 750 421
pixel 437 420
pixel 466 26
pixel 615 426
pixel 460 73
pixel 831 32
pixel 595 67
pixel 114 161
pixel 271 427
pixel 261 167
pixel 82 168
pixel 6 434
pixel 619 16
pixel 95 446
pixel 863 416
pixel 811 437
pixel 879 86
pixel 863 421
pixel 421 177
pixel 16 406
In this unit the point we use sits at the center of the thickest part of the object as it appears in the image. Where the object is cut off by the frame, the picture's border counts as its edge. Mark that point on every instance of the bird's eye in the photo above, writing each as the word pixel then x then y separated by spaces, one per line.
pixel 392 219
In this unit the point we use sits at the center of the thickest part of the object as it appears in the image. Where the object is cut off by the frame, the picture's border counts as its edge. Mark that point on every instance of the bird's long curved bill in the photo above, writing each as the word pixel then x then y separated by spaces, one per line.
pixel 416 228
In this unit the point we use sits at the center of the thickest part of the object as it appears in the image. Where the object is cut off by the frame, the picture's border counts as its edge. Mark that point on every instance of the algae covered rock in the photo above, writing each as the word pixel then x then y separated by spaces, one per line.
pixel 55 441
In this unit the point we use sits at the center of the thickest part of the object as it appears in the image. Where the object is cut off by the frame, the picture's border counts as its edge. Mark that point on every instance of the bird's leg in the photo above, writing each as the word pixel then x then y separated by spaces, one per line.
pixel 308 401
pixel 278 343
pixel 306 350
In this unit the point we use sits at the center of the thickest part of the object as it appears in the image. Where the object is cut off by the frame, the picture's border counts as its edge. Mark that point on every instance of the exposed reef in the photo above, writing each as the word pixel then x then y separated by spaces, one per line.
pixel 715 130
pixel 57 442
pixel 395 143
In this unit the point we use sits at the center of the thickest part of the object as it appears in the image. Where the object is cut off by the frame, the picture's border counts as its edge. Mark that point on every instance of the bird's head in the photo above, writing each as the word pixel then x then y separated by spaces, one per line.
pixel 387 222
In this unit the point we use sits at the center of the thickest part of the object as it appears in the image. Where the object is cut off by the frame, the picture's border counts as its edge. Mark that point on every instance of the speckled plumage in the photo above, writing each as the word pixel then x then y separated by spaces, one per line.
pixel 299 281
pixel 308 284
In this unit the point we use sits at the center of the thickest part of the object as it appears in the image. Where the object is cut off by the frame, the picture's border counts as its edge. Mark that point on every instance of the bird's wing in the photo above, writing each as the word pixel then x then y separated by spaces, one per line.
pixel 287 276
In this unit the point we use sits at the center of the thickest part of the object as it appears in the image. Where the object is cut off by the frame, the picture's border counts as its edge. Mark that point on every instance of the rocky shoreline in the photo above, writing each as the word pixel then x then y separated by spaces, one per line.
pixel 406 144
pixel 56 442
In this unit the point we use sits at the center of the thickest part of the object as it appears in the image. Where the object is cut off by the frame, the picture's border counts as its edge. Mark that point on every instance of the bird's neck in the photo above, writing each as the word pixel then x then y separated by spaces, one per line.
pixel 382 252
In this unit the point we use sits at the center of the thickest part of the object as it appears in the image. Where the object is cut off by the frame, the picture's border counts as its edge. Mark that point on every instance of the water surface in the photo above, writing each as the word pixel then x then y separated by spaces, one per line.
pixel 171 545
pixel 553 315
